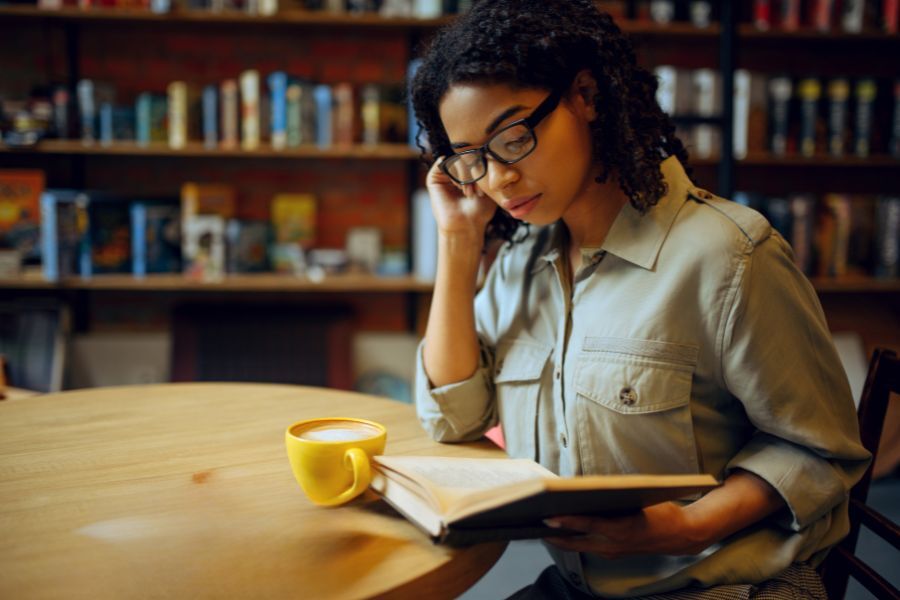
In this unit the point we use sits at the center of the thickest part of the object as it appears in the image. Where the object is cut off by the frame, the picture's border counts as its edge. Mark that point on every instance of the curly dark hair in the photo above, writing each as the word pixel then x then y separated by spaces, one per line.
pixel 542 44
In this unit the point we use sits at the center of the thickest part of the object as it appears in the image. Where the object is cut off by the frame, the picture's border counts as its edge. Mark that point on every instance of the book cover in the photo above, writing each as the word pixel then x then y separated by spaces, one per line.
pixel 230 114
pixel 278 98
pixel 324 116
pixel 210 117
pixel 810 91
pixel 778 212
pixel 458 501
pixel 20 211
pixel 838 96
pixel 293 132
pixel 247 246
pixel 155 237
pixel 861 245
pixel 865 93
pixel 293 219
pixel 108 233
pixel 780 93
pixel 250 132
pixel 65 248
pixel 203 248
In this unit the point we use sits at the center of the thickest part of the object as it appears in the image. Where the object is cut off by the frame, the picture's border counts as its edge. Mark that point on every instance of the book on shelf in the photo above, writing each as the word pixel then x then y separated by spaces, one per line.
pixel 838 98
pixel 749 113
pixel 87 111
pixel 417 134
pixel 181 113
pixel 249 98
pixel 324 115
pixel 809 90
pixel 459 501
pixel 230 114
pixel 108 234
pixel 278 82
pixel 707 98
pixel 155 237
pixel 65 248
pixel 210 108
pixel 293 218
pixel 780 93
pixel 62 112
pixel 662 11
pixel 208 199
pixel 887 237
pixel 853 13
pixel 701 13
pixel 247 246
pixel 865 94
pixel 834 235
pixel 203 248
pixel 344 123
pixel 383 114
pixel 301 113
pixel 821 13
pixel 803 231
pixel 890 9
pixel 20 213
pixel 151 114
pixel 762 14
pixel 789 14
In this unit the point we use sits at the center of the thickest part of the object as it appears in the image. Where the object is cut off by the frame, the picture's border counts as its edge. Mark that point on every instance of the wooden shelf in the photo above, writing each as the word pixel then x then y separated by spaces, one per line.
pixel 748 31
pixel 263 282
pixel 855 284
pixel 878 161
pixel 197 150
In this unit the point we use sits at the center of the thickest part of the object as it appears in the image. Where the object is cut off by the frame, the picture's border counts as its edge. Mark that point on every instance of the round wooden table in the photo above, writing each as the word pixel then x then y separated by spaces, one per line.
pixel 184 490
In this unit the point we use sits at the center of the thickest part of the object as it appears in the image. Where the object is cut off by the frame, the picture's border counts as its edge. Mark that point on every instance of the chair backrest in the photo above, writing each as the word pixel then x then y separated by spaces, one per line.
pixel 842 563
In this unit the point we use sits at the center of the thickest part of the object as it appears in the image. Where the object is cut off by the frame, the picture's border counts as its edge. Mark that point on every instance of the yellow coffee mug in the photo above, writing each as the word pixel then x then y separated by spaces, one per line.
pixel 330 456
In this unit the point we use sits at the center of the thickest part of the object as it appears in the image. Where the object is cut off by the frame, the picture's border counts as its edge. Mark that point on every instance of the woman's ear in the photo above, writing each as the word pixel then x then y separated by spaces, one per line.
pixel 584 93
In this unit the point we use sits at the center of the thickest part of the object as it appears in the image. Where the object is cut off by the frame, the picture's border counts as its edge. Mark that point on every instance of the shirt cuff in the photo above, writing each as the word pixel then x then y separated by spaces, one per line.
pixel 455 412
pixel 809 484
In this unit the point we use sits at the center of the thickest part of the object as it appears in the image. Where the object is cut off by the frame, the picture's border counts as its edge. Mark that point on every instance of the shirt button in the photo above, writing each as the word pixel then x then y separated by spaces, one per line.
pixel 627 396
pixel 563 440
pixel 574 577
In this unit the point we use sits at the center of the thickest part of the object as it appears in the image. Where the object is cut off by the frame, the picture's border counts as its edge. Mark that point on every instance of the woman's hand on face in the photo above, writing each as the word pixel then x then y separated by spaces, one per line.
pixel 659 529
pixel 458 209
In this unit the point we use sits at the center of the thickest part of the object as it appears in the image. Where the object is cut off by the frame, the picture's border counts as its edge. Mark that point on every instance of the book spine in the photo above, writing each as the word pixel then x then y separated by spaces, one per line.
pixel 371 120
pixel 210 117
pixel 741 112
pixel 810 91
pixel 803 220
pixel 887 237
pixel 268 8
pixel 762 14
pixel 427 9
pixel 323 116
pixel 86 110
pixel 820 14
pixel 249 82
pixel 177 114
pixel 344 114
pixel 789 17
pixel 293 131
pixel 230 112
pixel 705 98
pixel 662 11
pixel 701 13
pixel 49 238
pixel 61 112
pixel 83 227
pixel 309 120
pixel 838 206
pixel 852 16
pixel 895 136
pixel 866 90
pixel 780 92
pixel 889 13
pixel 139 239
pixel 838 95
pixel 278 99
pixel 106 124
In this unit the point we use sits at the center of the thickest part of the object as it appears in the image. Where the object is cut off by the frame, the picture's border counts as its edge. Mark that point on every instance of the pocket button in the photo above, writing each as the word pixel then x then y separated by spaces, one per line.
pixel 627 396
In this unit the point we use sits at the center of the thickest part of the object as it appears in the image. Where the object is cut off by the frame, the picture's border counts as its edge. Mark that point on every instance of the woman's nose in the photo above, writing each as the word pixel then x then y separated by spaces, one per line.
pixel 500 175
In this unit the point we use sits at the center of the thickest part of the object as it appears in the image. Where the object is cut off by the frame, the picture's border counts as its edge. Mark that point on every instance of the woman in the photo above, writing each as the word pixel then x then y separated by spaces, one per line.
pixel 632 323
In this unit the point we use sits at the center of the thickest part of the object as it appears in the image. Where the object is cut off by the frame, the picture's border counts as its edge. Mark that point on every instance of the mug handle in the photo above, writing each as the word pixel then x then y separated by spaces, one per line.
pixel 357 461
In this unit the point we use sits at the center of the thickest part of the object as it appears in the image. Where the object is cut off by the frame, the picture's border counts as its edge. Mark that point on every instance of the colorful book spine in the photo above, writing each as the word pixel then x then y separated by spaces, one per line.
pixel 762 14
pixel 178 117
pixel 838 96
pixel 810 91
pixel 895 135
pixel 139 239
pixel 780 91
pixel 278 98
pixel 230 114
pixel 65 246
pixel 324 126
pixel 210 117
pixel 344 114
pixel 87 111
pixel 890 10
pixel 866 91
pixel 143 105
pixel 249 84
pixel 370 101
pixel 293 115
pixel 821 14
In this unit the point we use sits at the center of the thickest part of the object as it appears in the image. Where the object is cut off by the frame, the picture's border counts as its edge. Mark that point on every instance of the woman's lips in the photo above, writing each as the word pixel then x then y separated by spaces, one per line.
pixel 519 207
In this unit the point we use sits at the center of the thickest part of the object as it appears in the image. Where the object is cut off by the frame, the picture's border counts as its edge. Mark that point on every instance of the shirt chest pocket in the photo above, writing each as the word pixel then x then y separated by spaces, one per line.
pixel 518 370
pixel 633 402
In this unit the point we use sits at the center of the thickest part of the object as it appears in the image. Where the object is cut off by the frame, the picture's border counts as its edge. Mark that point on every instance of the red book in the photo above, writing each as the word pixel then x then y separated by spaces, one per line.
pixel 889 10
pixel 820 14
pixel 762 14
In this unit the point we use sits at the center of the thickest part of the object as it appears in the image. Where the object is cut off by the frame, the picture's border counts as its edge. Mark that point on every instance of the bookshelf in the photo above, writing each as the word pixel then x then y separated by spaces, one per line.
pixel 725 45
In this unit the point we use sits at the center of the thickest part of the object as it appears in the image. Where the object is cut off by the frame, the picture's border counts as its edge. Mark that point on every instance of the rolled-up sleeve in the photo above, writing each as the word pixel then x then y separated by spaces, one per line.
pixel 780 362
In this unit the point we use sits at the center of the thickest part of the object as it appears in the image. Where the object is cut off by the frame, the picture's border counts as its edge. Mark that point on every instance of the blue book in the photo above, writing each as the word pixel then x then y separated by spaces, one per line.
pixel 143 107
pixel 139 239
pixel 87 110
pixel 155 237
pixel 322 94
pixel 106 123
pixel 278 82
pixel 65 248
pixel 210 116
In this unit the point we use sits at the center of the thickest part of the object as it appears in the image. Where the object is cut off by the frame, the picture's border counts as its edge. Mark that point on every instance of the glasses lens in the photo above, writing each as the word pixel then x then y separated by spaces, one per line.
pixel 465 168
pixel 513 143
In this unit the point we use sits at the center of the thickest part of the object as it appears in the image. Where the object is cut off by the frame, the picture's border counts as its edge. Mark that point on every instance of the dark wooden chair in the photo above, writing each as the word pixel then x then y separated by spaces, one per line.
pixel 842 563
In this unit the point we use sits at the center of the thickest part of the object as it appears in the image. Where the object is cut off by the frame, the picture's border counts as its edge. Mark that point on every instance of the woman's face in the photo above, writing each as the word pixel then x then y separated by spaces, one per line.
pixel 540 188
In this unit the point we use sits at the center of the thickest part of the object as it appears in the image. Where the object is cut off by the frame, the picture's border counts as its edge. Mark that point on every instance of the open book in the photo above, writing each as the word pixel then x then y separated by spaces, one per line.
pixel 466 500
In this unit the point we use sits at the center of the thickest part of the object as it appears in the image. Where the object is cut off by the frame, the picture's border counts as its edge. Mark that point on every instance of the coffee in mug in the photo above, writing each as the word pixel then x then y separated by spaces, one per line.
pixel 330 456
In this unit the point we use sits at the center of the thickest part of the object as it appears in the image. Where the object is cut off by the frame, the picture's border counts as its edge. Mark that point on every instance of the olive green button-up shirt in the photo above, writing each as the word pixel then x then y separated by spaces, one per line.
pixel 688 343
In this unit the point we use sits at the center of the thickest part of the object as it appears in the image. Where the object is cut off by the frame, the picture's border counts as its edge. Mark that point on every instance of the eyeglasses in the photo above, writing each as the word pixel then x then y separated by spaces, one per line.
pixel 509 145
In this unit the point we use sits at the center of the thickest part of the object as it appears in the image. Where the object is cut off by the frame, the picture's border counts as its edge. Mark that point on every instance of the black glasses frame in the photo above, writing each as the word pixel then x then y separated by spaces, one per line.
pixel 547 106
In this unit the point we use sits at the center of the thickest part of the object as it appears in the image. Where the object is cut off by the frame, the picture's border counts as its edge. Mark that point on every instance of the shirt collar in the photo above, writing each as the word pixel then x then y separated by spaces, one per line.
pixel 634 237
